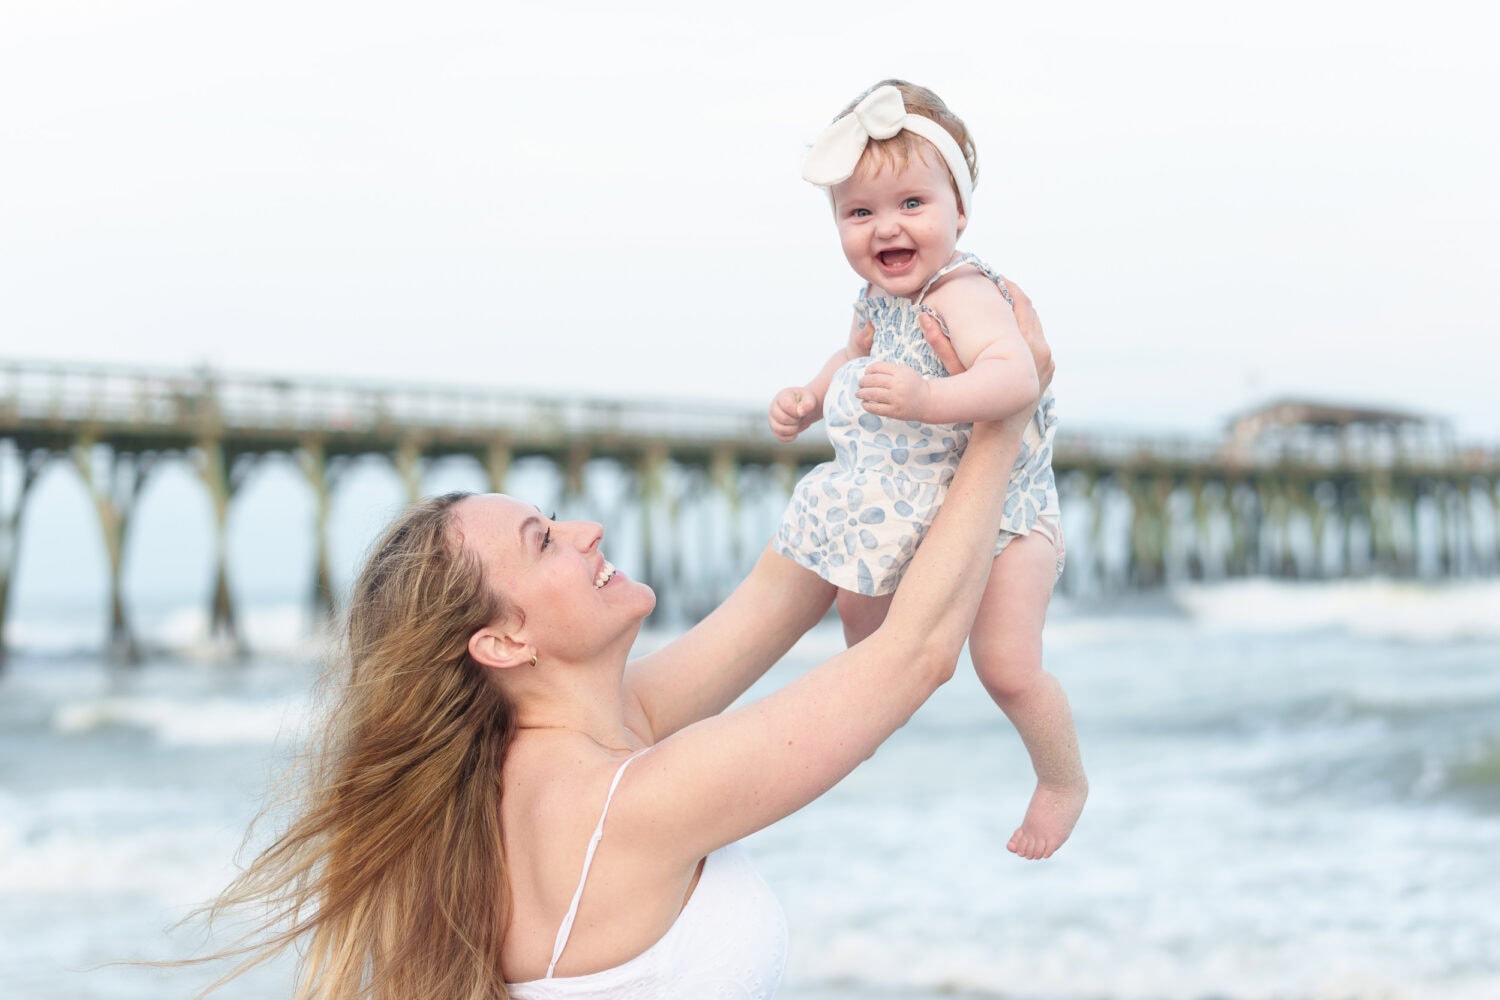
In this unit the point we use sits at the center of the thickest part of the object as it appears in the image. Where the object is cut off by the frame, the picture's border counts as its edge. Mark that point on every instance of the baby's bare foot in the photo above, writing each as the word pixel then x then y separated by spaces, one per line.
pixel 1049 820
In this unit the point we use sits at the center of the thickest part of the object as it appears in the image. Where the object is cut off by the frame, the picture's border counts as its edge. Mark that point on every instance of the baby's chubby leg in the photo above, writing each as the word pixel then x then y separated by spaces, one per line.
pixel 1006 647
pixel 861 615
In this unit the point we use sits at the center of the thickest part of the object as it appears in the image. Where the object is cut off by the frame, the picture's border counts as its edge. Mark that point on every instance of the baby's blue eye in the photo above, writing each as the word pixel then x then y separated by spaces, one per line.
pixel 860 213
pixel 912 203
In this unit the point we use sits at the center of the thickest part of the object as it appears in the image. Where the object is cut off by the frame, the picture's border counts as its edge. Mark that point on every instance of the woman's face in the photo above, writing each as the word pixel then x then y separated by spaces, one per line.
pixel 574 602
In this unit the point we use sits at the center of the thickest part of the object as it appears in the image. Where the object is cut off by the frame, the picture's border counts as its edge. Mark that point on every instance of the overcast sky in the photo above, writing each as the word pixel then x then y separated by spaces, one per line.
pixel 1211 204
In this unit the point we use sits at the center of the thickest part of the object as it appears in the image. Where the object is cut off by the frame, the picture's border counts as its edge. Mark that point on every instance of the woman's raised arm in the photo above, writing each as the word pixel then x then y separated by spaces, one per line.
pixel 704 671
pixel 727 776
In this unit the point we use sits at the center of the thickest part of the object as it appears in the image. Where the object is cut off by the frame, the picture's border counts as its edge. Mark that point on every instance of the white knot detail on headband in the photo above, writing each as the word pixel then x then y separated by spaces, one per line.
pixel 880 114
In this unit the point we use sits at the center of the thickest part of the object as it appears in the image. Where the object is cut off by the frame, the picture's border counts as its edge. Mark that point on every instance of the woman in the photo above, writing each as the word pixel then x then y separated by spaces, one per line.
pixel 451 840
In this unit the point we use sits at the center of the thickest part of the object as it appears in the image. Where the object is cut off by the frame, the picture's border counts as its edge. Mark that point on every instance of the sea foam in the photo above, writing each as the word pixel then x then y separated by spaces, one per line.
pixel 175 721
pixel 1376 608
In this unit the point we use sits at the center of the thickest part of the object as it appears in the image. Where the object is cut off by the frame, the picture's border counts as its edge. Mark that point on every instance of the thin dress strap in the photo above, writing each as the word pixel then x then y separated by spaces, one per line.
pixel 954 265
pixel 588 859
pixel 948 268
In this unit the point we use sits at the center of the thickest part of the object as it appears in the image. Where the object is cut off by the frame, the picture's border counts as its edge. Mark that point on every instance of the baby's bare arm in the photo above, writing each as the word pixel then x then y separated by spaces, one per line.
pixel 798 407
pixel 1000 376
pixel 1031 331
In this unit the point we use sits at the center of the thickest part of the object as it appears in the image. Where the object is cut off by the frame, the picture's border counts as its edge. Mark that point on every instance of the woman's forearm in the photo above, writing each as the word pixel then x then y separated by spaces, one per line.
pixel 716 661
pixel 734 773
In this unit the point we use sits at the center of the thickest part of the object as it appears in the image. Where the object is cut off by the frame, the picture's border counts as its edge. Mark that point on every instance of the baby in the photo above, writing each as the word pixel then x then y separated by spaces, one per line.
pixel 900 168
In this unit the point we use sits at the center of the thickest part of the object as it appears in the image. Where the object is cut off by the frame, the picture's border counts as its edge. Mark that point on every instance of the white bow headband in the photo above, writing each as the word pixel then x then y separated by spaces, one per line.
pixel 880 115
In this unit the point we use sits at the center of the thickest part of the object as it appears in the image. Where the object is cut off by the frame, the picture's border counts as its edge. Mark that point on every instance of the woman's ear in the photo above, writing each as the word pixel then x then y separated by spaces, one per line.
pixel 497 649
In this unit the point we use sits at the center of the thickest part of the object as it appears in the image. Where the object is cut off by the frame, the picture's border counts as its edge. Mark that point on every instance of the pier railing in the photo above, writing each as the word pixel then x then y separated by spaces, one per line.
pixel 66 396
pixel 39 395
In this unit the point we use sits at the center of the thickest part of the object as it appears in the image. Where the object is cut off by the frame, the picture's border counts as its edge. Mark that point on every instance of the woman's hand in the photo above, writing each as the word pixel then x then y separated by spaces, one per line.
pixel 1031 331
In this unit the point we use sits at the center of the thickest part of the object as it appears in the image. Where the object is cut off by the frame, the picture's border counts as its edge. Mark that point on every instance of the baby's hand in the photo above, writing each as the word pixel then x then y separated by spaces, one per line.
pixel 792 412
pixel 891 390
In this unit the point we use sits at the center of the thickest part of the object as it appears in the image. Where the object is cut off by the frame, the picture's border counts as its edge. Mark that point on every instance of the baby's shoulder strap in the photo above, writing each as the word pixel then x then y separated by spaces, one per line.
pixel 974 262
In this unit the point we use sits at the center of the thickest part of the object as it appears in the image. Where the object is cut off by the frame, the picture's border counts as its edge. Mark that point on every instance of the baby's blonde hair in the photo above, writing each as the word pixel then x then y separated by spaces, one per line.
pixel 896 151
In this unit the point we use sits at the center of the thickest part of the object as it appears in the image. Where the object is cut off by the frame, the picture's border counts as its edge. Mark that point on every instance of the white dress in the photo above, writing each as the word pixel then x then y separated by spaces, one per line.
pixel 728 943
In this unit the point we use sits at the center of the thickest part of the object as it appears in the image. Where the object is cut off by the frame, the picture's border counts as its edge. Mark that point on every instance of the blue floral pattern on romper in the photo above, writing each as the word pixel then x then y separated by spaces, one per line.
pixel 857 520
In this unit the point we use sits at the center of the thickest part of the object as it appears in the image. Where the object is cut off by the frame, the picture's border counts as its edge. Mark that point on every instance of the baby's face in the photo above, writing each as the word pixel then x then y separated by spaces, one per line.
pixel 898 227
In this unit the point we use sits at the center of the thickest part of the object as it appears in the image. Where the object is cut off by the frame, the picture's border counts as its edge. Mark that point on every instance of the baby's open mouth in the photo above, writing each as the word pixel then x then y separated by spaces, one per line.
pixel 895 259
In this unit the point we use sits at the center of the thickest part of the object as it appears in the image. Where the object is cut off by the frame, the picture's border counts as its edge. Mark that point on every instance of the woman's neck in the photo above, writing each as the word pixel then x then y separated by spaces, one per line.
pixel 586 699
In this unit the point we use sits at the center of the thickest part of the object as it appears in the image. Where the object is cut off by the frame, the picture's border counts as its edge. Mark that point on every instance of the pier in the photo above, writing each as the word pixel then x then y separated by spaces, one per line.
pixel 1293 489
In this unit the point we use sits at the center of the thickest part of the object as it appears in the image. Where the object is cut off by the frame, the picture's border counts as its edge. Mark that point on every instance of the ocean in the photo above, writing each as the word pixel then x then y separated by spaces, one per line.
pixel 1295 796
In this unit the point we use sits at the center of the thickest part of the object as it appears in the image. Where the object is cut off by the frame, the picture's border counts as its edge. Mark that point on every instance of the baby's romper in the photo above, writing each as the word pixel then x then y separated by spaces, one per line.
pixel 856 521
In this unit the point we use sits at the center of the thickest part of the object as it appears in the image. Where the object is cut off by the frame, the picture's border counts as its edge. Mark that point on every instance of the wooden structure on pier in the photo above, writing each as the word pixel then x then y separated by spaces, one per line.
pixel 1294 489
pixel 117 425
pixel 1298 489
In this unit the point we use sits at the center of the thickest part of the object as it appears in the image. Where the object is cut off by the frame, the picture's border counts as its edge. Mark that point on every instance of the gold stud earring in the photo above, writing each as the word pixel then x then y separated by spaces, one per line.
pixel 533 659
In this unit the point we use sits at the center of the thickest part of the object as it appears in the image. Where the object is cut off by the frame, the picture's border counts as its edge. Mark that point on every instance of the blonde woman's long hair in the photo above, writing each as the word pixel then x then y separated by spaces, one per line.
pixel 389 878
